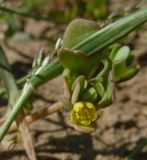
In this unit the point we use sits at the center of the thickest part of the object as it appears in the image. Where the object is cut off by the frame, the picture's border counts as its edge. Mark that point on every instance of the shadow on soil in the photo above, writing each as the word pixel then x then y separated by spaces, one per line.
pixel 75 144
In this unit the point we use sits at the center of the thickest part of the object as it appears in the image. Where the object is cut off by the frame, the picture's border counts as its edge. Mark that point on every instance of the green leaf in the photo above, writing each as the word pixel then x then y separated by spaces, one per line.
pixel 118 69
pixel 107 98
pixel 90 95
pixel 83 83
pixel 122 54
pixel 78 62
pixel 130 72
pixel 78 30
pixel 115 49
pixel 99 88
pixel 111 33
pixel 131 57
pixel 75 61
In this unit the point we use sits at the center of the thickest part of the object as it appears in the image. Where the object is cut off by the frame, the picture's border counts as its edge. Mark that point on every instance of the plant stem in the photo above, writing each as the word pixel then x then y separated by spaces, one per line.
pixel 89 46
pixel 54 69
pixel 13 94
pixel 18 82
pixel 37 115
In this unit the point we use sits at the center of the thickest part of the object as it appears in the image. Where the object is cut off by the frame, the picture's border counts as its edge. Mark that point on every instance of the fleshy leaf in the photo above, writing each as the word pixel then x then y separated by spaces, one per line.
pixel 130 72
pixel 114 51
pixel 99 88
pixel 118 69
pixel 83 83
pixel 107 98
pixel 78 62
pixel 131 57
pixel 77 31
pixel 122 54
pixel 90 94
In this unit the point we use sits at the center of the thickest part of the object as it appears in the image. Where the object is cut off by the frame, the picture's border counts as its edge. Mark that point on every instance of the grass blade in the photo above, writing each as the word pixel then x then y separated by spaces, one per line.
pixel 13 94
pixel 112 33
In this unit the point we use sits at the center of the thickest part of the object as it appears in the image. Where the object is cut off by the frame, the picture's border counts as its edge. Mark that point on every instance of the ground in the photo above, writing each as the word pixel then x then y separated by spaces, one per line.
pixel 121 127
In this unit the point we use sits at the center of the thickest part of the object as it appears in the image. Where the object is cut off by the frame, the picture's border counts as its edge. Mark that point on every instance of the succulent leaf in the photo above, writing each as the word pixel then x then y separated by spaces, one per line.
pixel 130 72
pixel 90 94
pixel 122 54
pixel 77 31
pixel 130 59
pixel 75 61
pixel 107 98
pixel 118 69
pixel 114 51
pixel 83 83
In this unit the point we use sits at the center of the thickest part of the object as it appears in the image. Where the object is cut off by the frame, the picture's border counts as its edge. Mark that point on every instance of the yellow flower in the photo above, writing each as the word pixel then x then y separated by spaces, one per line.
pixel 83 113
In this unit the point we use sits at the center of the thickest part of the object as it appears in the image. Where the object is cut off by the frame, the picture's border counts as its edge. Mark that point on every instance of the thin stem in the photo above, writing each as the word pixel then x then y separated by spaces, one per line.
pixel 13 113
pixel 19 83
pixel 54 69
pixel 36 115
pixel 13 94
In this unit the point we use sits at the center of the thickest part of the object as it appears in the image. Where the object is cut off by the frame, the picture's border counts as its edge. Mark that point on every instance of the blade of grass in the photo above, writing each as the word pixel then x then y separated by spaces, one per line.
pixel 112 32
pixel 13 94
pixel 89 46
pixel 18 82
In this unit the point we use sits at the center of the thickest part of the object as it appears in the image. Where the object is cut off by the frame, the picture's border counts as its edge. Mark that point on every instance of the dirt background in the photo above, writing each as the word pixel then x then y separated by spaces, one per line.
pixel 121 127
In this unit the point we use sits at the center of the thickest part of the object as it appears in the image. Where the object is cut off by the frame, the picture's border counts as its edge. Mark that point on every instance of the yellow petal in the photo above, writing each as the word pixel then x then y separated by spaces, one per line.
pixel 85 123
pixel 89 105
pixel 78 106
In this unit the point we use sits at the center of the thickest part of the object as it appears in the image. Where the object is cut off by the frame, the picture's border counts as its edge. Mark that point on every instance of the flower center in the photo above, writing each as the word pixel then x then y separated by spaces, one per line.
pixel 83 113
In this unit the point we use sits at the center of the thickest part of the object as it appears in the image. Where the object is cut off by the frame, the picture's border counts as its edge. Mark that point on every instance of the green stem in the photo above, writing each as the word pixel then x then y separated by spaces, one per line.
pixel 13 94
pixel 19 83
pixel 11 88
pixel 89 46
pixel 14 112
pixel 53 70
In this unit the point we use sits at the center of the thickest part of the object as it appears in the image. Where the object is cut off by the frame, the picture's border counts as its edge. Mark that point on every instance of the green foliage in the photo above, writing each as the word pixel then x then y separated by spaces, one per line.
pixel 75 28
pixel 99 88
pixel 123 67
pixel 98 82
